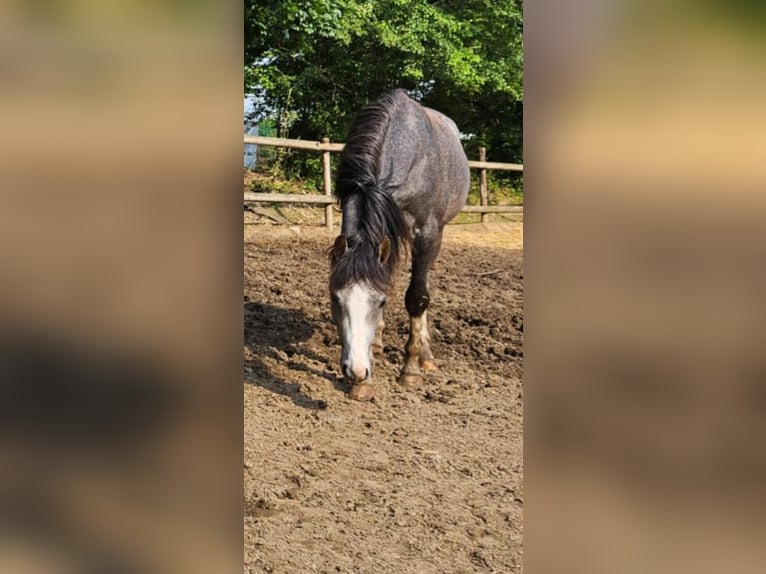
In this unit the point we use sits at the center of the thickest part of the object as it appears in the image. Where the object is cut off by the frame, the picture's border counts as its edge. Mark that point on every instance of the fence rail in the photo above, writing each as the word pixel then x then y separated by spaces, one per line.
pixel 325 147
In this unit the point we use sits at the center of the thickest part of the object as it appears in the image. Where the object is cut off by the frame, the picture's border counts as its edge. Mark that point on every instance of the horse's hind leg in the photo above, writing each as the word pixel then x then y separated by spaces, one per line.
pixel 418 355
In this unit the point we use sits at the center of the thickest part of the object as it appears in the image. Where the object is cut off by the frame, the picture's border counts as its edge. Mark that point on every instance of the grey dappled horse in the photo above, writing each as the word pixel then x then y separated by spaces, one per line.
pixel 402 176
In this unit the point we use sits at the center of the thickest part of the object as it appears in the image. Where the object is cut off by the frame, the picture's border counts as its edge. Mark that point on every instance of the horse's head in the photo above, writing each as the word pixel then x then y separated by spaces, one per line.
pixel 359 282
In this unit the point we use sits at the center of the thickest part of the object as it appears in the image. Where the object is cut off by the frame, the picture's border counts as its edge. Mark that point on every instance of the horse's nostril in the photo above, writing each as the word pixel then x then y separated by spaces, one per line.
pixel 355 375
pixel 349 373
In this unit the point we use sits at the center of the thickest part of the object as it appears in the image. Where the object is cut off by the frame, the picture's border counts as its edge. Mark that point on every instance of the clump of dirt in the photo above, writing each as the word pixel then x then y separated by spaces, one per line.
pixel 424 480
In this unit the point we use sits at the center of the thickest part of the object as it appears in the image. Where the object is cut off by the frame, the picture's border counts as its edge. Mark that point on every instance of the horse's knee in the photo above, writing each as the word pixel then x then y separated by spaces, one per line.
pixel 416 300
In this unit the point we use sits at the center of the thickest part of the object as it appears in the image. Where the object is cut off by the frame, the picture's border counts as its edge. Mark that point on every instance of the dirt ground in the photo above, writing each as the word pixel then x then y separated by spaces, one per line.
pixel 415 481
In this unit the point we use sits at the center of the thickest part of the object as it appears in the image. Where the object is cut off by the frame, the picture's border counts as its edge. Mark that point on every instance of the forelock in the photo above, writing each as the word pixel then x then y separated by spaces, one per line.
pixel 360 264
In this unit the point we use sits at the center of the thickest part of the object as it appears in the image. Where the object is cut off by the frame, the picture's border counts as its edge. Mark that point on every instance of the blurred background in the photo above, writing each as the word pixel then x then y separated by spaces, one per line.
pixel 120 408
pixel 645 285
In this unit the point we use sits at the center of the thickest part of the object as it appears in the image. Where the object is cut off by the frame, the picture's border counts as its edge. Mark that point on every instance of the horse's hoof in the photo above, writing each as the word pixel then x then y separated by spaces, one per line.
pixel 409 381
pixel 428 365
pixel 361 392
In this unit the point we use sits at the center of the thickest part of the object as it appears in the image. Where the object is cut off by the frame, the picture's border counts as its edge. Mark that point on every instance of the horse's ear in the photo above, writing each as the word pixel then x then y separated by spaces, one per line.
pixel 384 251
pixel 340 246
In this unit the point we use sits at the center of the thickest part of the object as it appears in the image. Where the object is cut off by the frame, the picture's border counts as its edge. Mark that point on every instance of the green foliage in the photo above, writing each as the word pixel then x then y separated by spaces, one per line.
pixel 500 190
pixel 317 62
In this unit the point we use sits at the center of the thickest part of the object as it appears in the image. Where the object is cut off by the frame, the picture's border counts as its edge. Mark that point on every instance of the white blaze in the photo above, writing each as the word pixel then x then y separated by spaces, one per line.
pixel 359 326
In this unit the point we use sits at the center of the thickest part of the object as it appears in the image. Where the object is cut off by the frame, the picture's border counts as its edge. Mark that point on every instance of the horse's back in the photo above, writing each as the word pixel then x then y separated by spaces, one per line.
pixel 424 162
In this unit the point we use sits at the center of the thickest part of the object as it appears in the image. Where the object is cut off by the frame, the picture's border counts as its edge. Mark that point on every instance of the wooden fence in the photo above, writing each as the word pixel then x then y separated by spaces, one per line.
pixel 326 148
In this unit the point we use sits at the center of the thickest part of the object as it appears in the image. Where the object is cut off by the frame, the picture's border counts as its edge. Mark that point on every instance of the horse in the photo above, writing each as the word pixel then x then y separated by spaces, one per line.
pixel 403 175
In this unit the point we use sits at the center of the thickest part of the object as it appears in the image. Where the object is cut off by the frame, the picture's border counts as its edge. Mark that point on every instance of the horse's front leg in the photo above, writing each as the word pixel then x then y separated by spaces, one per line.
pixel 379 334
pixel 426 359
pixel 418 355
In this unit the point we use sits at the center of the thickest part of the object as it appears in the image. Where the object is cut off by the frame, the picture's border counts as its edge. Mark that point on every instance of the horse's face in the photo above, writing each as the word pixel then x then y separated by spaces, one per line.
pixel 357 310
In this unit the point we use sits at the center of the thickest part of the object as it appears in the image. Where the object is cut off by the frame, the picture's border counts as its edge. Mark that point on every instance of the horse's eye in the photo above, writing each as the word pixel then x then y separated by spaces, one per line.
pixel 383 303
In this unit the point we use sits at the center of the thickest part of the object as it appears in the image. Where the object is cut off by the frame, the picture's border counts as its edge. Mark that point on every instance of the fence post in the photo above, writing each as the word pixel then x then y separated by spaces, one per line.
pixel 327 184
pixel 483 184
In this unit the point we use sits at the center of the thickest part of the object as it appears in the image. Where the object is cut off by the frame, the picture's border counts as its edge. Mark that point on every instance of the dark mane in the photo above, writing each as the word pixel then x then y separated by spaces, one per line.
pixel 375 212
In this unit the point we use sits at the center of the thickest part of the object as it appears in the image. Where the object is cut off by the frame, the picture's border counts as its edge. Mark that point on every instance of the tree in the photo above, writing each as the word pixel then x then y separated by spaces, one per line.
pixel 317 62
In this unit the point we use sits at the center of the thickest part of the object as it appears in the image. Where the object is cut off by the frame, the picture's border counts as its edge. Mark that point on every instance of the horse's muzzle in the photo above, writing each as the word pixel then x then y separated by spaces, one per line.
pixel 356 375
